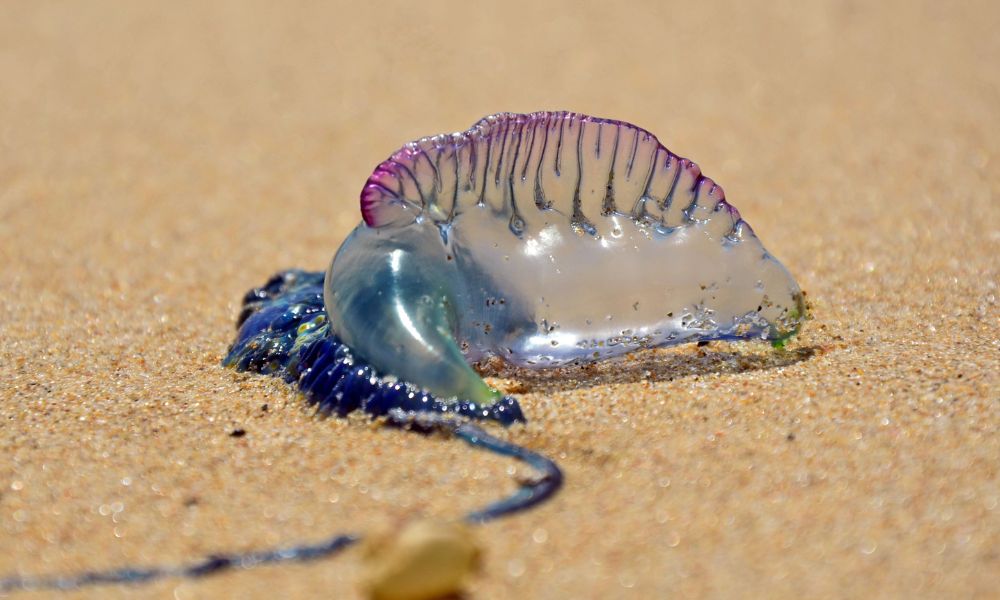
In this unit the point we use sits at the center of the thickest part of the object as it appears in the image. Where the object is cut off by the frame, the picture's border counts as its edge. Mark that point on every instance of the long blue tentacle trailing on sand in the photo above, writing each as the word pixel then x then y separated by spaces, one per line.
pixel 544 240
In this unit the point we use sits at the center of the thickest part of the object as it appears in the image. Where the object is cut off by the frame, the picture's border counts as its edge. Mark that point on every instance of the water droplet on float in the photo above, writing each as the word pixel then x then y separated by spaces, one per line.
pixel 540 536
pixel 868 547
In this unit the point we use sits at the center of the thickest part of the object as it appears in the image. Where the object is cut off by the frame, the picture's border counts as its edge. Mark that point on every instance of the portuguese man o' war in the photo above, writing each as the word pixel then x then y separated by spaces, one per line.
pixel 546 239
pixel 542 239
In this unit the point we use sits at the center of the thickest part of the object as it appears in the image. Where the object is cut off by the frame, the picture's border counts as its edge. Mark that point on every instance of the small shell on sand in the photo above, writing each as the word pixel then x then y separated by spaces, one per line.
pixel 423 560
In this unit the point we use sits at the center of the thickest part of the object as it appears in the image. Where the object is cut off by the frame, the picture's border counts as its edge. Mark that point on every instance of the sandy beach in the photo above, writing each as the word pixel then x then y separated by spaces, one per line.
pixel 156 161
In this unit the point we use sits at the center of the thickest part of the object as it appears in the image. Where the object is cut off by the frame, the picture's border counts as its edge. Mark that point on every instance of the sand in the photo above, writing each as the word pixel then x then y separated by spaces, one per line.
pixel 158 160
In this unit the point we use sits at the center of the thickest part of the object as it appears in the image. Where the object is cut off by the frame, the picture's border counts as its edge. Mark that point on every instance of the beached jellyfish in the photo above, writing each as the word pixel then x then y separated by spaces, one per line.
pixel 542 239
pixel 546 239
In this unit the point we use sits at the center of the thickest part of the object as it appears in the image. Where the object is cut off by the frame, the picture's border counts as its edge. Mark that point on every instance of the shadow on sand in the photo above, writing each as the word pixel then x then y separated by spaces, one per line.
pixel 658 365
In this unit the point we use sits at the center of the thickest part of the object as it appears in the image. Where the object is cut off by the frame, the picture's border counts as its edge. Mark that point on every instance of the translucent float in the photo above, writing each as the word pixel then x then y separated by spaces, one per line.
pixel 546 239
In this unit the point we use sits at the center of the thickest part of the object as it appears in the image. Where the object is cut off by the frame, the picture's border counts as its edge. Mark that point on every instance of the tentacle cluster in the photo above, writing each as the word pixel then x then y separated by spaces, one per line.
pixel 284 332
